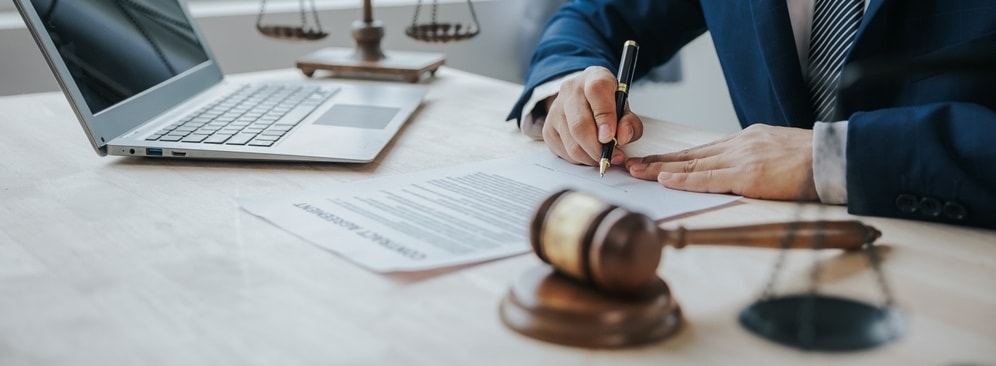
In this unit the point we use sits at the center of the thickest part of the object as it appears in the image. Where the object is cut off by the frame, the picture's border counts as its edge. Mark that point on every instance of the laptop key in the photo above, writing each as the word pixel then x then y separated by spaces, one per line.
pixel 194 138
pixel 294 116
pixel 263 143
pixel 240 139
pixel 218 138
pixel 171 138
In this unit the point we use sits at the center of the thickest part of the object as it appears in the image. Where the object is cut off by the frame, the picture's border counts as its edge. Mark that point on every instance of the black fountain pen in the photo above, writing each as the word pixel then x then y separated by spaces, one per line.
pixel 627 66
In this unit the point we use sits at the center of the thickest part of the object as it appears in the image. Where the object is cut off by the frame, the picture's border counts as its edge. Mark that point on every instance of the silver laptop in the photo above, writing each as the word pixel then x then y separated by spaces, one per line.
pixel 143 82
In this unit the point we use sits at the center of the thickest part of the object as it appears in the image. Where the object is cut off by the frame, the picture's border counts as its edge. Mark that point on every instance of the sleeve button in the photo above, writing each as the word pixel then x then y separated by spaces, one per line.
pixel 954 210
pixel 906 203
pixel 930 207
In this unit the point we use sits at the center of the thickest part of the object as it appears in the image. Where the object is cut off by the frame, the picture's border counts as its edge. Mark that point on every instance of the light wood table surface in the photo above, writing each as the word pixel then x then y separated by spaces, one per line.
pixel 131 261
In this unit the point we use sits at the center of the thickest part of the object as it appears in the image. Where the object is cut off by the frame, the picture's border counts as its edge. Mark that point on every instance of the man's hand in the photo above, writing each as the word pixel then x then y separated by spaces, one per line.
pixel 761 161
pixel 582 117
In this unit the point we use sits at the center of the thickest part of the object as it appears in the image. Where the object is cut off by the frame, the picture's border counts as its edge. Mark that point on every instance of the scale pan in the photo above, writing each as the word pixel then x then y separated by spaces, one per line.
pixel 835 324
pixel 441 32
pixel 291 33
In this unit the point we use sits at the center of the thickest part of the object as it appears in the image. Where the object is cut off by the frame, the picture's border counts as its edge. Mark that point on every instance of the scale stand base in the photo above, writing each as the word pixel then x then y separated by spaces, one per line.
pixel 346 62
pixel 548 306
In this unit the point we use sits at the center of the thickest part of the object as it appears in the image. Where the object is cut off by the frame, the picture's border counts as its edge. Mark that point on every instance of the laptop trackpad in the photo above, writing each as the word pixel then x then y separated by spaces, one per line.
pixel 359 116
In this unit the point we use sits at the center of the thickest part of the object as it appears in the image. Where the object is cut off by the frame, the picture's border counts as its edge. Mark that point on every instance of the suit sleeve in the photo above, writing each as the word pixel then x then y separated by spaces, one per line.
pixel 933 162
pixel 591 33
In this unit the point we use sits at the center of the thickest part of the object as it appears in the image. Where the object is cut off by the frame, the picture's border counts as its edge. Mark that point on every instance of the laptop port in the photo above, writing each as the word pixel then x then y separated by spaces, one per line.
pixel 153 152
pixel 178 153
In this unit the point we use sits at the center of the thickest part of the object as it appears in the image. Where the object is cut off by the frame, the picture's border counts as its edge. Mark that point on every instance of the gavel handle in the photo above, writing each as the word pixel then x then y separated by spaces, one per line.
pixel 800 235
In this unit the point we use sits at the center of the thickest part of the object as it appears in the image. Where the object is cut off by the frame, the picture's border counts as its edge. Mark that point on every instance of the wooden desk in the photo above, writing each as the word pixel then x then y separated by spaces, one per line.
pixel 121 261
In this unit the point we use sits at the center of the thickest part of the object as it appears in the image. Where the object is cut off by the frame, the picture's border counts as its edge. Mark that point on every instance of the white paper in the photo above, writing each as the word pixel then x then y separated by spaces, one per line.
pixel 456 215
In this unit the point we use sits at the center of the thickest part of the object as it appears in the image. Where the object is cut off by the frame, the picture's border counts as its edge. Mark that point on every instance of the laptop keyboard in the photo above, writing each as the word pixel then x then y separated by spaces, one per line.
pixel 255 115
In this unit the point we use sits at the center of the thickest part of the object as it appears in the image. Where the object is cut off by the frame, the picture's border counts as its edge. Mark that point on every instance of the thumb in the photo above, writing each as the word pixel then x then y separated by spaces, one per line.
pixel 600 90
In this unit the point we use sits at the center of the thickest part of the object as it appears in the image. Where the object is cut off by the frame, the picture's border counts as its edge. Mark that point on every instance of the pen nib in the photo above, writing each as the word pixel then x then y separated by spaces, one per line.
pixel 603 165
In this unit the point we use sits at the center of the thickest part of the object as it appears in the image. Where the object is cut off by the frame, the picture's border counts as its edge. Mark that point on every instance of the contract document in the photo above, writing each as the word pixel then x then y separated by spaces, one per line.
pixel 456 215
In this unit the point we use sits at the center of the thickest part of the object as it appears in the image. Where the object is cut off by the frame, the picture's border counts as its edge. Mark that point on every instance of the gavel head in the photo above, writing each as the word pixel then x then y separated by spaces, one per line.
pixel 596 242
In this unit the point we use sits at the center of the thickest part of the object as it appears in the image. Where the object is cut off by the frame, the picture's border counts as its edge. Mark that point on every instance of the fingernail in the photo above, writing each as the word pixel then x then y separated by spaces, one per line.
pixel 638 166
pixel 664 176
pixel 604 134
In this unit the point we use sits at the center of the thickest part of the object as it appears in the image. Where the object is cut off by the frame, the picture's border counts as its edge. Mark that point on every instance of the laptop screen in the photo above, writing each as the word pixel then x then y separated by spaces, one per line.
pixel 115 49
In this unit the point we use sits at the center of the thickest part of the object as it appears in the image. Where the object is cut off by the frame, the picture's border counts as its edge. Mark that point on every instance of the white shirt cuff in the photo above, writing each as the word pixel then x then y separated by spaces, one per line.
pixel 830 161
pixel 531 125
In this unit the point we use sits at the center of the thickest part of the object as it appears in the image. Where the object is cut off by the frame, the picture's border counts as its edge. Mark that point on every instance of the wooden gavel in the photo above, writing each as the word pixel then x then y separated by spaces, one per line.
pixel 618 251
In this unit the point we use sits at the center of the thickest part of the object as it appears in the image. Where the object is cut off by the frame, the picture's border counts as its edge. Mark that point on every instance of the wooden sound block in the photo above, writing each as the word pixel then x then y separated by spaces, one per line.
pixel 548 306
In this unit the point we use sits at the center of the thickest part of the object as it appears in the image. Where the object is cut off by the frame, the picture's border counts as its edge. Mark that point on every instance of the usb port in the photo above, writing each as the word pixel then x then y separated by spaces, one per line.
pixel 152 151
pixel 178 153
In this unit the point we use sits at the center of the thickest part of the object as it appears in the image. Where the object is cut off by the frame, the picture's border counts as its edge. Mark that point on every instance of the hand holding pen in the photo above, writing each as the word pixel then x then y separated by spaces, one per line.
pixel 624 77
pixel 586 113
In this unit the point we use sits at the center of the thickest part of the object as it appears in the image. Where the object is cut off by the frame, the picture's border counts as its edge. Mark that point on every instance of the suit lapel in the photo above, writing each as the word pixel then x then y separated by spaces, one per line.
pixel 867 46
pixel 776 43
pixel 867 31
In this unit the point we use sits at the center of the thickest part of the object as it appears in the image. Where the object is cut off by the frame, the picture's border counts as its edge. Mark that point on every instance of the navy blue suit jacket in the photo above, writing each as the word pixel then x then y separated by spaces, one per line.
pixel 919 148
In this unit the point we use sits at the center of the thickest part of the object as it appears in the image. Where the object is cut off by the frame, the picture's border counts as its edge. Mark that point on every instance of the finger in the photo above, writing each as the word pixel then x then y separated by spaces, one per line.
pixel 630 128
pixel 640 170
pixel 577 153
pixel 692 165
pixel 618 156
pixel 580 127
pixel 600 92
pixel 699 152
pixel 709 181
pixel 579 124
pixel 552 138
pixel 551 133
pixel 567 149
pixel 649 171
pixel 569 145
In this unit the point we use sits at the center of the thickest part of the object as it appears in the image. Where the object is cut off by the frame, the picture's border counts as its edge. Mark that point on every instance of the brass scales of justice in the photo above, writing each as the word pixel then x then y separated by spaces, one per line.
pixel 367 59
pixel 599 287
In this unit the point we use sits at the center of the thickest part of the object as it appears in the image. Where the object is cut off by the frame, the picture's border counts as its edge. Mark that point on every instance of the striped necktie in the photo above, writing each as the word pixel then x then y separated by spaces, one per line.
pixel 834 25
